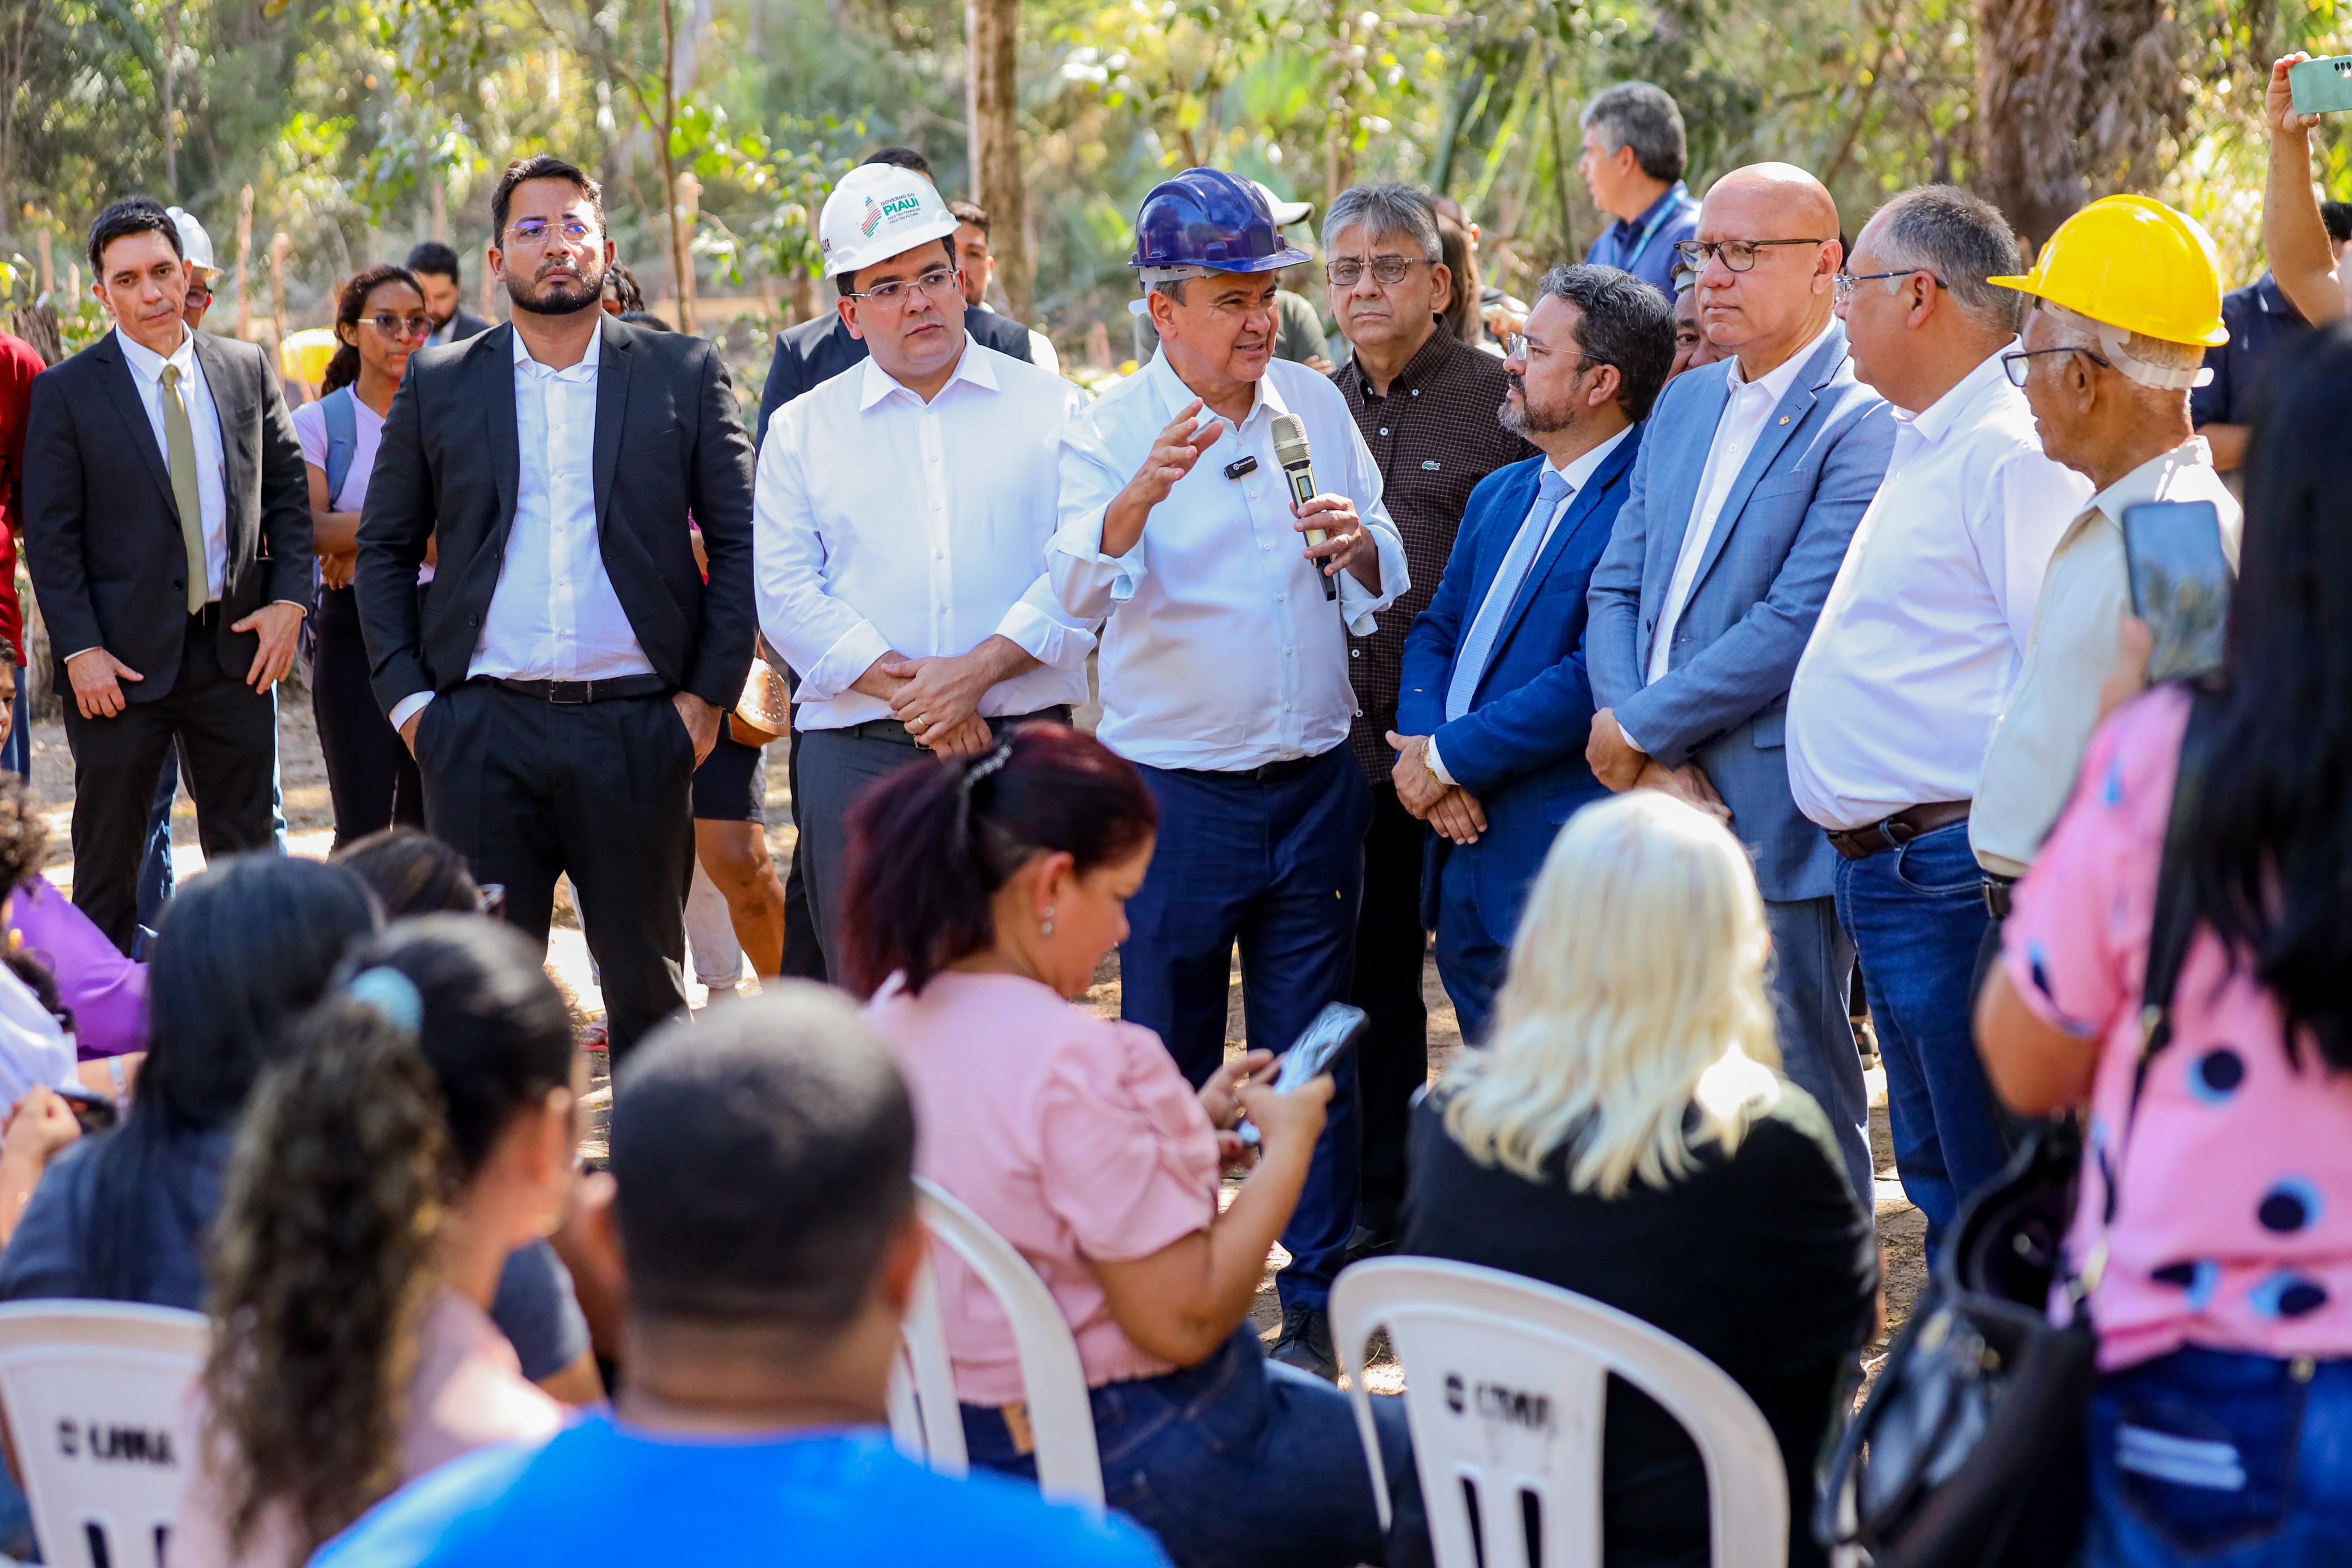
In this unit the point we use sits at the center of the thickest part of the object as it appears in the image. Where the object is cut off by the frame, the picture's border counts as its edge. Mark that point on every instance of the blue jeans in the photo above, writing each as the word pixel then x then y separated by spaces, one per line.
pixel 1916 917
pixel 16 754
pixel 1240 1462
pixel 2223 1459
pixel 1279 867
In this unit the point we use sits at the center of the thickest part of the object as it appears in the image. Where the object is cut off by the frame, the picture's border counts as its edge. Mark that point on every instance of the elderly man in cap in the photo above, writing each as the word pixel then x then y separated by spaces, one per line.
pixel 901 516
pixel 1224 666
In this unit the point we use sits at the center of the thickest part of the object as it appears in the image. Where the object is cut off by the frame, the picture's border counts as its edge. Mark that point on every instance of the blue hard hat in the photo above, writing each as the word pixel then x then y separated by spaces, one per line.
pixel 1208 218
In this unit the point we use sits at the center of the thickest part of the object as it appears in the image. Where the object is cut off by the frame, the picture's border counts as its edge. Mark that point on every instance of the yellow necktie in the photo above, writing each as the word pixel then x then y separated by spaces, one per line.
pixel 179 444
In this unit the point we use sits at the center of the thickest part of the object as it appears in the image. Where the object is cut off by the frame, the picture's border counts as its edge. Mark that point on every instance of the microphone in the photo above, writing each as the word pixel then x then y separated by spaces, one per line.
pixel 1290 451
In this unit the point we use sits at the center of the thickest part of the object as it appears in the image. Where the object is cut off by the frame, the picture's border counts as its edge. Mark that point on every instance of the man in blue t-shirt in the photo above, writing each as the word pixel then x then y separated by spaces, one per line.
pixel 1632 163
pixel 761 1197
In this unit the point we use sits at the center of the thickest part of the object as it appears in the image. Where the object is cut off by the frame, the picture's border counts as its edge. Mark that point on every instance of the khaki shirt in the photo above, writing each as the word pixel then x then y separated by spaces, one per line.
pixel 2038 744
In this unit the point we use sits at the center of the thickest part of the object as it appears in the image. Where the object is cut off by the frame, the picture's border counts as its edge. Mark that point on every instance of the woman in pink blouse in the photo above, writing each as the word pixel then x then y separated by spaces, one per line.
pixel 2222 1430
pixel 982 894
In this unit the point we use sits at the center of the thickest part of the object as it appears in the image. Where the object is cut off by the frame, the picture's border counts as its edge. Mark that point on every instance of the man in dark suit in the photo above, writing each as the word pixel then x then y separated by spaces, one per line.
pixel 818 351
pixel 167 527
pixel 435 266
pixel 1495 703
pixel 569 666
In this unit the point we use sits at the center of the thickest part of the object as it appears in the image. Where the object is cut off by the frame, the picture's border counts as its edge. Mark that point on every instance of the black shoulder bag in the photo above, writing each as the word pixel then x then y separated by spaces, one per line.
pixel 1968 1452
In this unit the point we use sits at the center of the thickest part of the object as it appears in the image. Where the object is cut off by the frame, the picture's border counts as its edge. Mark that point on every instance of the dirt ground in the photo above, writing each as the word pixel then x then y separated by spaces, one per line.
pixel 310 819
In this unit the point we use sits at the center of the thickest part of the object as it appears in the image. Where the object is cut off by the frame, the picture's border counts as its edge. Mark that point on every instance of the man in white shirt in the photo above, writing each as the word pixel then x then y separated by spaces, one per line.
pixel 2130 298
pixel 1923 634
pixel 902 510
pixel 1749 482
pixel 569 665
pixel 1224 668
pixel 167 530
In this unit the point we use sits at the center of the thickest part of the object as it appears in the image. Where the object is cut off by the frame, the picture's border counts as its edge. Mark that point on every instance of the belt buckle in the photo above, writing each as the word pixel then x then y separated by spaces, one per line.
pixel 555 690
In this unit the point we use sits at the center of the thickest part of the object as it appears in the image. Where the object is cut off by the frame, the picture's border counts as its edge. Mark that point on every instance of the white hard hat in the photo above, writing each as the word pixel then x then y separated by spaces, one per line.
pixel 1285 213
pixel 196 245
pixel 879 211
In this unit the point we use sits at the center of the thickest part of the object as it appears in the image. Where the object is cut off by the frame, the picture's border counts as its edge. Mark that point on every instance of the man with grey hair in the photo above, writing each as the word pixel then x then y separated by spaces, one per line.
pixel 1633 163
pixel 1917 645
pixel 1425 403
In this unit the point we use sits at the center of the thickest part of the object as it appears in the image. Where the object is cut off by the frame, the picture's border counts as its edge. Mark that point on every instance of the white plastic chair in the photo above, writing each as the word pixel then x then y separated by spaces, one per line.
pixel 925 1418
pixel 1505 1379
pixel 95 1393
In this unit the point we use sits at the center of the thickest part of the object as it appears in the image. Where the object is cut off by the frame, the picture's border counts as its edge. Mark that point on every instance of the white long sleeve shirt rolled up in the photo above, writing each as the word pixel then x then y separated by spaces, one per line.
pixel 1219 651
pixel 884 523
pixel 1926 628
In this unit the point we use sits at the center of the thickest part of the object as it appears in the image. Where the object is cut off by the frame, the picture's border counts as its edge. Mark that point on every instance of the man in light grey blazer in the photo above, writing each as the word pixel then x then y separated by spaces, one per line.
pixel 1745 495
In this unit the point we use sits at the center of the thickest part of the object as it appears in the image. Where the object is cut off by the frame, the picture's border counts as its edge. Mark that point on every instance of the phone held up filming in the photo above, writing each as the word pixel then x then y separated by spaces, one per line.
pixel 2180 582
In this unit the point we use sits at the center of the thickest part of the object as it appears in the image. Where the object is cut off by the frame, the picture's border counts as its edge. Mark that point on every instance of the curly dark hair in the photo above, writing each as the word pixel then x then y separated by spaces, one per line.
pixel 24 837
pixel 321 1271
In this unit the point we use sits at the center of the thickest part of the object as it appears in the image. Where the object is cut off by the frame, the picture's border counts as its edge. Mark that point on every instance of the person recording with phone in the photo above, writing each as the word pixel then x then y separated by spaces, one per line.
pixel 982 892
pixel 1224 666
pixel 2128 299
pixel 2305 259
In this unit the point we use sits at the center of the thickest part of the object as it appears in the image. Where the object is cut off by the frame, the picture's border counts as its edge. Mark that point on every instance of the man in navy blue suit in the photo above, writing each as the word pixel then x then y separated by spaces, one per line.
pixel 1495 703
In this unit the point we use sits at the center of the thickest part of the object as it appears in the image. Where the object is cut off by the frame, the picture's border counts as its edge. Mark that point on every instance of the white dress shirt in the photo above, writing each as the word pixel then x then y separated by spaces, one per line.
pixel 553 615
pixel 1744 416
pixel 2046 725
pixel 1220 652
pixel 203 425
pixel 1578 474
pixel 1927 625
pixel 882 522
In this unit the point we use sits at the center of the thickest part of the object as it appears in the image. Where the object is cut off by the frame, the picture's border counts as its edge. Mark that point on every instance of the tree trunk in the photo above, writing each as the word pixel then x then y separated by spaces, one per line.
pixel 993 39
pixel 170 85
pixel 2074 99
pixel 681 261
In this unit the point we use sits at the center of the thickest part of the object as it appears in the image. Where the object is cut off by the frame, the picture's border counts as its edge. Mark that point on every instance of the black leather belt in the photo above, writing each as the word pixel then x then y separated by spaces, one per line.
pixel 1996 894
pixel 569 693
pixel 1894 833
pixel 893 729
pixel 1280 772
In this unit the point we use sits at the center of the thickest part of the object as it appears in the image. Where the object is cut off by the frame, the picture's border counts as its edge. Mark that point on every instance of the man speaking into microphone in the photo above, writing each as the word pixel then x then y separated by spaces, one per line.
pixel 1224 669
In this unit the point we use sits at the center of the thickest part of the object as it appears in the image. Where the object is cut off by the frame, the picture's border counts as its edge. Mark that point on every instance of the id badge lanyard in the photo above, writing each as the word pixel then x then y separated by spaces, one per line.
pixel 1674 205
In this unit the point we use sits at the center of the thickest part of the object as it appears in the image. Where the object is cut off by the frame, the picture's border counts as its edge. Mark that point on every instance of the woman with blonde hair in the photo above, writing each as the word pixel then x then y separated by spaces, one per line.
pixel 1627 1135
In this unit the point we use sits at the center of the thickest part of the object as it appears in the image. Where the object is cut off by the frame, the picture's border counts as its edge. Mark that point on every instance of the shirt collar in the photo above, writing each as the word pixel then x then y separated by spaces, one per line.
pixel 1419 370
pixel 1265 397
pixel 1932 423
pixel 2273 299
pixel 1673 195
pixel 150 364
pixel 1579 470
pixel 971 367
pixel 579 372
pixel 1782 376
pixel 2153 480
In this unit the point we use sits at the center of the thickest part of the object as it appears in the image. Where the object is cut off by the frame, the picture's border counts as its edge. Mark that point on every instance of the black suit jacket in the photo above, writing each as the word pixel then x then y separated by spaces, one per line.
pixel 103 530
pixel 449 463
pixel 465 324
pixel 815 351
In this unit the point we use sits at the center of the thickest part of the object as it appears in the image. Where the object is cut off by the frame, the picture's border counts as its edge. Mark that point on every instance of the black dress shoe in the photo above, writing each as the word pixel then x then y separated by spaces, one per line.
pixel 1370 1241
pixel 1306 1342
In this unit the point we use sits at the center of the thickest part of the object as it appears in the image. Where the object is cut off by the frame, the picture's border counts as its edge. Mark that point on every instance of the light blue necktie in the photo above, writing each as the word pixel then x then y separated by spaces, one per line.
pixel 1471 665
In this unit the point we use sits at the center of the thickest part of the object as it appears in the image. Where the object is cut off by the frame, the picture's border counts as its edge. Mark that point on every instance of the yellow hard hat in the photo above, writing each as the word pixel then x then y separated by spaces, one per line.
pixel 303 355
pixel 2135 264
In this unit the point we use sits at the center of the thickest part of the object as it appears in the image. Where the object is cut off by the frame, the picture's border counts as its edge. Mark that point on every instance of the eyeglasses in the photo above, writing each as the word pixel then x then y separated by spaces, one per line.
pixel 199 288
pixel 533 232
pixel 2017 365
pixel 933 285
pixel 1518 346
pixel 392 326
pixel 1348 271
pixel 1739 255
pixel 1843 284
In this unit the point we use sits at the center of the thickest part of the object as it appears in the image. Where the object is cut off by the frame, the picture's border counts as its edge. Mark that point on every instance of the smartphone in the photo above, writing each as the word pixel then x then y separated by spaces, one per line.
pixel 1334 1030
pixel 94 1111
pixel 2321 86
pixel 2180 581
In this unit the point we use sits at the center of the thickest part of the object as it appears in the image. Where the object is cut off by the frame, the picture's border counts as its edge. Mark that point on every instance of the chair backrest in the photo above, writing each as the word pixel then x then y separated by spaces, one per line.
pixel 1505 1379
pixel 1054 1384
pixel 925 1420
pixel 95 1393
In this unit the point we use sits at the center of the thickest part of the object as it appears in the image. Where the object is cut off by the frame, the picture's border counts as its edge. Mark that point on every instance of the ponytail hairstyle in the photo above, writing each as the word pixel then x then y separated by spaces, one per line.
pixel 931 844
pixel 351 308
pixel 393 1094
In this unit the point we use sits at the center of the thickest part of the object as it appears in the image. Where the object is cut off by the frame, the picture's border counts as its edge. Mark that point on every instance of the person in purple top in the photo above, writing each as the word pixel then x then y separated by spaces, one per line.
pixel 104 993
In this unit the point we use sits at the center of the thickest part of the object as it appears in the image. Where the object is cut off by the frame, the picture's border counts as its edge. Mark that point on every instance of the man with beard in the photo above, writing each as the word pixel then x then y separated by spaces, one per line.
pixel 1494 706
pixel 568 667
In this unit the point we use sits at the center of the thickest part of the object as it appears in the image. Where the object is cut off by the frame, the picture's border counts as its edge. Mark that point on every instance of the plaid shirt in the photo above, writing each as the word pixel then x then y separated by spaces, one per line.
pixel 1434 436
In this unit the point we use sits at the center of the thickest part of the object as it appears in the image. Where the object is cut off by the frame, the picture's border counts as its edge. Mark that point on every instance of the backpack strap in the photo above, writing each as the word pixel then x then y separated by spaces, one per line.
pixel 342 411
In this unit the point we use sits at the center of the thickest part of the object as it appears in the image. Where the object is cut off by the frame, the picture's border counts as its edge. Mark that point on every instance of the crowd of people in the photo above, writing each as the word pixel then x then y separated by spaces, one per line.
pixel 1748 612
